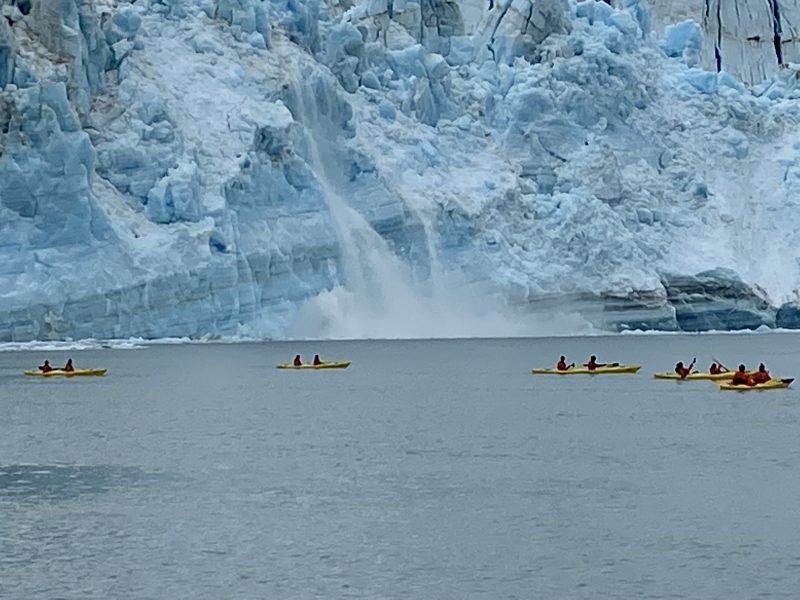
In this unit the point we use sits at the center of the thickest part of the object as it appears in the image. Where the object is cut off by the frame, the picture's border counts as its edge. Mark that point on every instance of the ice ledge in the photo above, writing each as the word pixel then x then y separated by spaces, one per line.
pixel 234 293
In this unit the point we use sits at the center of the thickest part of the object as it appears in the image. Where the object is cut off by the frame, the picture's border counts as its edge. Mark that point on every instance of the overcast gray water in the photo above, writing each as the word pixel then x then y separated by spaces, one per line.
pixel 427 470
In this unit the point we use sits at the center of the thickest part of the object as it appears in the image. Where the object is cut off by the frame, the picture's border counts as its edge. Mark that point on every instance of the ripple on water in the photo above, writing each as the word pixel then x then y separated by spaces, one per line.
pixel 67 482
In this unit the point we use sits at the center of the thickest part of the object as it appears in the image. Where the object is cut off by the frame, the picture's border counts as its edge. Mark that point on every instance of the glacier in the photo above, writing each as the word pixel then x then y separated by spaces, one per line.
pixel 394 168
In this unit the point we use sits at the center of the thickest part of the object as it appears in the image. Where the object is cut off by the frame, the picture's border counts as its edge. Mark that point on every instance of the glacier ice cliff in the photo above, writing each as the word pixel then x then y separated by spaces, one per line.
pixel 750 38
pixel 392 168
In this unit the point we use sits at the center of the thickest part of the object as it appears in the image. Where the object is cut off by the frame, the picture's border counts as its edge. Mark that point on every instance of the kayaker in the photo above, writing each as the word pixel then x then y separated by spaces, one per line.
pixel 741 377
pixel 714 369
pixel 68 367
pixel 297 362
pixel 317 361
pixel 762 375
pixel 562 364
pixel 684 371
pixel 45 368
pixel 593 364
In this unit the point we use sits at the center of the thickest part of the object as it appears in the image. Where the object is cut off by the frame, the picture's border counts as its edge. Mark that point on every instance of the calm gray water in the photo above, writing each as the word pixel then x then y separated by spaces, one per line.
pixel 428 470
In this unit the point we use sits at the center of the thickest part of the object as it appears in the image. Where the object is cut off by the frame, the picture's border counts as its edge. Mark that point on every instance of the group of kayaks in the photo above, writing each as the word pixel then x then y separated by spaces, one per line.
pixel 724 378
pixel 68 370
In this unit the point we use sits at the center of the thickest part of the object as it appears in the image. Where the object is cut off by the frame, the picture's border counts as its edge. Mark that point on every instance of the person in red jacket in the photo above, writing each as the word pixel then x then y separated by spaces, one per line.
pixel 45 368
pixel 682 371
pixel 317 360
pixel 562 364
pixel 717 368
pixel 593 364
pixel 762 375
pixel 68 367
pixel 297 362
pixel 741 377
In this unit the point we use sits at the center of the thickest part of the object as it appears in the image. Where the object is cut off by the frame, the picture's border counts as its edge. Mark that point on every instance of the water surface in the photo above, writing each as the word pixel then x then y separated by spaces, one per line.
pixel 429 469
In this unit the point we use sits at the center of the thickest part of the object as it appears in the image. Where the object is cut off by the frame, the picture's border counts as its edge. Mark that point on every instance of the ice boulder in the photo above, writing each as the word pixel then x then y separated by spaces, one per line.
pixel 246 17
pixel 122 26
pixel 684 40
pixel 788 316
pixel 175 197
pixel 344 50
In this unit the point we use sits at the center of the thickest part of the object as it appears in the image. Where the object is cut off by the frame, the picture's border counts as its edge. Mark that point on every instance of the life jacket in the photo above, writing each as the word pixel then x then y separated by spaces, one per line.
pixel 45 368
pixel 761 377
pixel 714 369
pixel 297 362
pixel 561 366
pixel 317 361
pixel 68 367
pixel 740 378
pixel 682 371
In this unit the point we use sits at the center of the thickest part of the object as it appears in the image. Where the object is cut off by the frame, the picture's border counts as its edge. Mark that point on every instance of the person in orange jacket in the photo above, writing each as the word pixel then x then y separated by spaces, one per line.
pixel 762 375
pixel 741 377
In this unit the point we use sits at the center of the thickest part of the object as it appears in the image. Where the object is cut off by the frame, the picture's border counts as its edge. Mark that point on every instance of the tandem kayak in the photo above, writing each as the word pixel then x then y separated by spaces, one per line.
pixel 772 384
pixel 696 375
pixel 62 373
pixel 607 370
pixel 325 365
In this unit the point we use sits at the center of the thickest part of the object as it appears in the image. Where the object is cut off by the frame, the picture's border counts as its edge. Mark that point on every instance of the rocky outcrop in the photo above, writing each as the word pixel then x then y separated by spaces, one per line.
pixel 641 310
pixel 717 300
pixel 714 300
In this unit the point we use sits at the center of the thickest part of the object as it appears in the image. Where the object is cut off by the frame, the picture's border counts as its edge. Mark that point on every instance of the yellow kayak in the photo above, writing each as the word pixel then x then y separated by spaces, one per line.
pixel 696 375
pixel 607 370
pixel 62 373
pixel 772 384
pixel 325 365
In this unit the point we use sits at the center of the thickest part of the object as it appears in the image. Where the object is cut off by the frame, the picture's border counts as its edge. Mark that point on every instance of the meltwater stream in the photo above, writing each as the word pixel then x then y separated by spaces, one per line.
pixel 428 469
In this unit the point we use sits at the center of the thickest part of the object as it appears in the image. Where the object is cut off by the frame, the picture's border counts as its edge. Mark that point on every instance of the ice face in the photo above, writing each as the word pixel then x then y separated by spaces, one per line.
pixel 749 38
pixel 386 168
